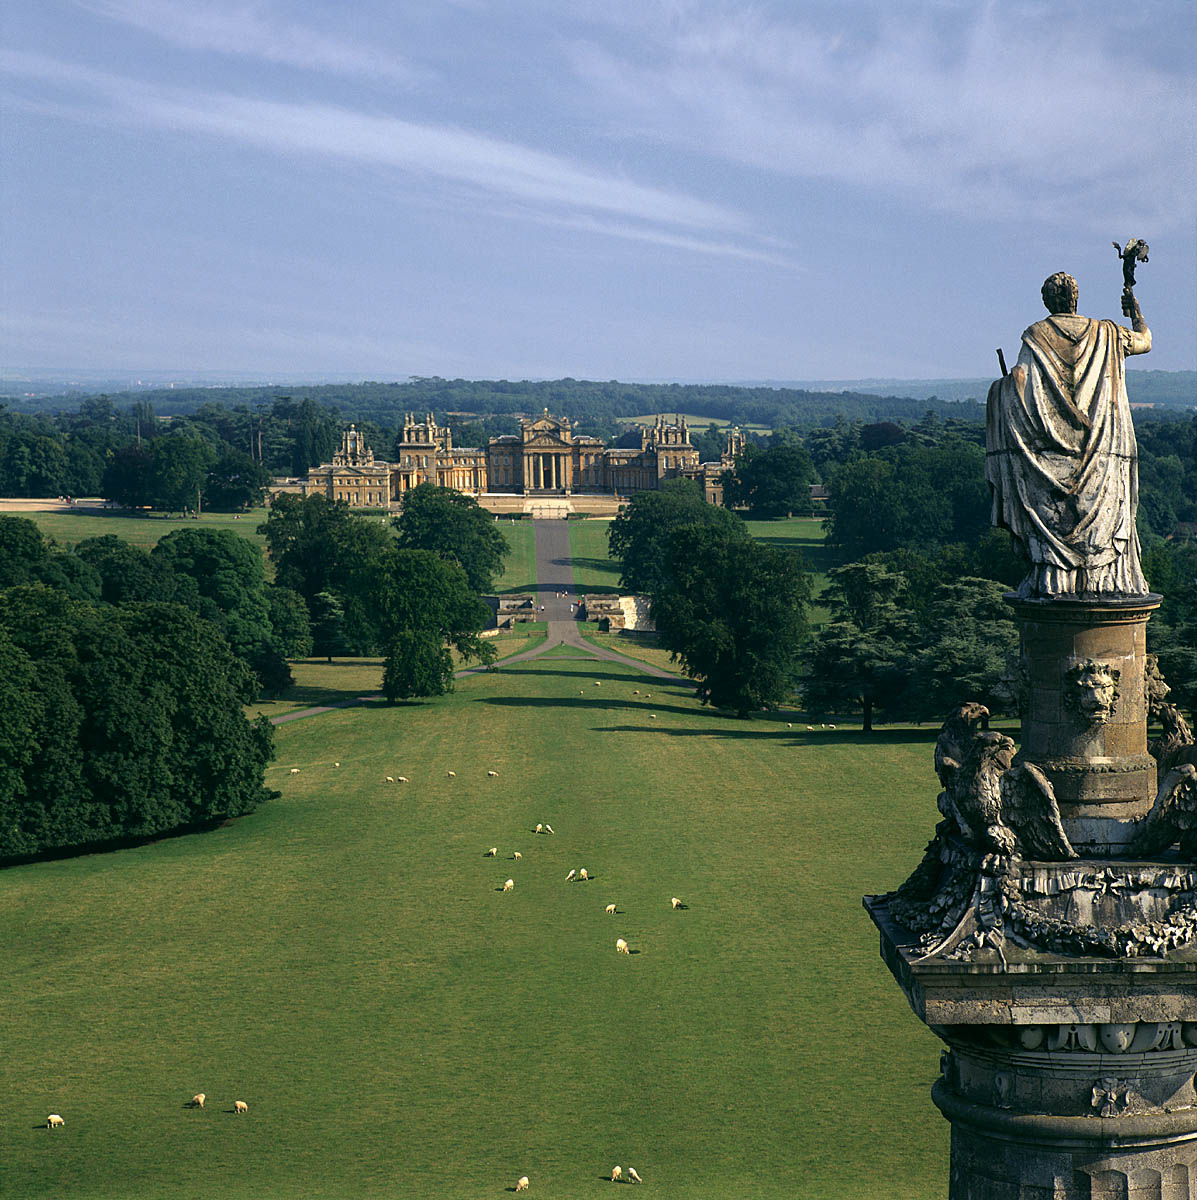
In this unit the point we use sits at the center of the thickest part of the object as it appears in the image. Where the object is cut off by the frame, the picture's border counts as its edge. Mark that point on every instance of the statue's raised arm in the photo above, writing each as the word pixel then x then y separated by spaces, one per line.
pixel 1061 457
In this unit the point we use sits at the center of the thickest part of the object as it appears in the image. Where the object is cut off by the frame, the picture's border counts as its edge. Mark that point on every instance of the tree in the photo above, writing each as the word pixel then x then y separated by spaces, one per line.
pixel 418 592
pixel 128 573
pixel 455 527
pixel 328 625
pixel 290 621
pixel 908 496
pixel 178 472
pixel 27 557
pixel 315 543
pixel 235 481
pixel 770 483
pixel 417 664
pixel 639 535
pixel 132 723
pixel 732 611
pixel 862 657
pixel 970 651
pixel 228 573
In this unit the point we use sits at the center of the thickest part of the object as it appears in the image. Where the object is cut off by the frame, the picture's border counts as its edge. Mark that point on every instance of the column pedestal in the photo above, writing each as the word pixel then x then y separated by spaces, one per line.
pixel 1086 723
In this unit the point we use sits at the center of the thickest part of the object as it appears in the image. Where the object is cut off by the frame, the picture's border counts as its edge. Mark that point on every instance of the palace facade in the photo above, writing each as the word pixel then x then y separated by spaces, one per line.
pixel 545 459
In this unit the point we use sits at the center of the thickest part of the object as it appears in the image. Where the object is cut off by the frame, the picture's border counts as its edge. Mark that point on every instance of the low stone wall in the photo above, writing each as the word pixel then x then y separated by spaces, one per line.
pixel 620 612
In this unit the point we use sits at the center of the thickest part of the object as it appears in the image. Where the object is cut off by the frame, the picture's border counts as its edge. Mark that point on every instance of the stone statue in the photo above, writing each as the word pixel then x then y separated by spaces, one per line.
pixel 1000 808
pixel 1062 461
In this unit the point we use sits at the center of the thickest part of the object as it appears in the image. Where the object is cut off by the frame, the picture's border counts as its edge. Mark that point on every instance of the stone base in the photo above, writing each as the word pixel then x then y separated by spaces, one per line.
pixel 1065 1077
pixel 1086 721
pixel 1002 1155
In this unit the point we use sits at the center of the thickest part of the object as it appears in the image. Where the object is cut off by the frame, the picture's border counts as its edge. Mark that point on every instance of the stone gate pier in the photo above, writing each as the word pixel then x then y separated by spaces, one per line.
pixel 1049 935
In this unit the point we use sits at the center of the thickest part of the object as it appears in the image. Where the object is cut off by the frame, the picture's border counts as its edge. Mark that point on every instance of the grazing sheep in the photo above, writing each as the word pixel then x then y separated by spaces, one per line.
pixel 581 691
pixel 548 829
pixel 509 886
pixel 492 774
pixel 652 716
pixel 492 852
pixel 516 854
pixel 239 1106
pixel 830 726
pixel 621 947
pixel 539 828
pixel 582 875
pixel 633 1176
pixel 616 1173
pixel 522 1184
pixel 675 902
pixel 402 779
pixel 294 770
pixel 597 684
pixel 197 1101
pixel 54 1121
pixel 610 910
pixel 648 695
pixel 570 876
pixel 810 729
pixel 789 725
pixel 336 764
pixel 635 691
pixel 451 774
pixel 389 779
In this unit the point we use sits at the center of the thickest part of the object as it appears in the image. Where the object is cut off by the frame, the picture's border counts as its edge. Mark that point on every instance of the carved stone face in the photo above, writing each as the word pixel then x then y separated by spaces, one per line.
pixel 1093 690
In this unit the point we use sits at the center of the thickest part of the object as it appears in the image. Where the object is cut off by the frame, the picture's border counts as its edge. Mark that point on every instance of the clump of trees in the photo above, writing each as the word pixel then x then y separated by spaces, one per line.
pixel 119 722
pixel 410 592
pixel 770 483
pixel 731 610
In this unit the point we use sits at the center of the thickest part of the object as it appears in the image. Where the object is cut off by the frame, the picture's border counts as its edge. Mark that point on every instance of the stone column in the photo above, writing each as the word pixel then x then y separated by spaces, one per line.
pixel 1086 722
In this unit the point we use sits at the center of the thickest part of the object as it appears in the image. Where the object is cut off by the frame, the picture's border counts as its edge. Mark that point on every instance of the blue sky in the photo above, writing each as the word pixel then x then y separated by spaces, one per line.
pixel 683 190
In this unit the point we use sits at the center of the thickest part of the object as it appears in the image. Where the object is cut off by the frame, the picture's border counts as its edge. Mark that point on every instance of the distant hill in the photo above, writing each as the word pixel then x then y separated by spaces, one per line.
pixel 769 405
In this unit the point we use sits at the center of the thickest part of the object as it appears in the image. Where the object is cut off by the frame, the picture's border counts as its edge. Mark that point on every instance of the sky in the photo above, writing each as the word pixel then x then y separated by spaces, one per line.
pixel 602 189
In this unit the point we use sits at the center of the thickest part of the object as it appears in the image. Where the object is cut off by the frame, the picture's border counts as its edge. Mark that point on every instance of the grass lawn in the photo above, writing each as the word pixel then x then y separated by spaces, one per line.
pixel 519 567
pixel 142 530
pixel 594 569
pixel 344 961
pixel 698 422
pixel 642 647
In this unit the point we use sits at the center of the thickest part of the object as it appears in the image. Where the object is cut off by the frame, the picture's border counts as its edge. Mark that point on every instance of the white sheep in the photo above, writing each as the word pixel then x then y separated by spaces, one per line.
pixel 451 774
pixel 239 1106
pixel 789 725
pixel 54 1121
pixel 492 774
pixel 597 683
pixel 621 947
pixel 402 779
pixel 294 770
pixel 522 1183
pixel 570 875
pixel 616 1173
pixel 674 902
pixel 583 875
pixel 633 1176
pixel 548 829
pixel 197 1101
pixel 336 764
pixel 810 729
pixel 492 852
pixel 635 691
pixel 830 726
pixel 610 910
pixel 389 779
pixel 652 716
pixel 509 886
pixel 539 828
pixel 516 854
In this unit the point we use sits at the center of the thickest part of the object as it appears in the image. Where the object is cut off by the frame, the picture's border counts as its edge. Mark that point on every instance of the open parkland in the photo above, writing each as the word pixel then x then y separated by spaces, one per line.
pixel 346 961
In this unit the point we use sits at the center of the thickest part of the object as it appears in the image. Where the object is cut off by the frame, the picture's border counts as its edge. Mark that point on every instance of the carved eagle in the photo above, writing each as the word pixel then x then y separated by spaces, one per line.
pixel 1004 809
pixel 955 738
pixel 1173 817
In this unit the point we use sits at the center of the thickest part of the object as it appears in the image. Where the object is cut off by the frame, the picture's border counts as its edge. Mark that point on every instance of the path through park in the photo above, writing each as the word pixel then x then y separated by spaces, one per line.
pixel 556 593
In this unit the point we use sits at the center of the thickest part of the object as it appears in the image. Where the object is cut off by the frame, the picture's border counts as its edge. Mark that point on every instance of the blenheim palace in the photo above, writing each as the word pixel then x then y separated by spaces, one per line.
pixel 545 462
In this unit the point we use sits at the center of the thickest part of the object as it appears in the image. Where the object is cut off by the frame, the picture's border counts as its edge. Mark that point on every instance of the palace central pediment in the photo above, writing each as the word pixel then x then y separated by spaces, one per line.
pixel 546 443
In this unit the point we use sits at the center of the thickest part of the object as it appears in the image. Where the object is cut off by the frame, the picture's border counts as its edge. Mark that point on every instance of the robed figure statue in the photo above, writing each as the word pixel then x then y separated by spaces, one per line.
pixel 1061 455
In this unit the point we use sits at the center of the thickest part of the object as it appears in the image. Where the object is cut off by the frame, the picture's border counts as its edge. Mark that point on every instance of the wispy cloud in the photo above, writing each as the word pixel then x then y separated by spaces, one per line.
pixel 420 153
pixel 247 30
pixel 1040 118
